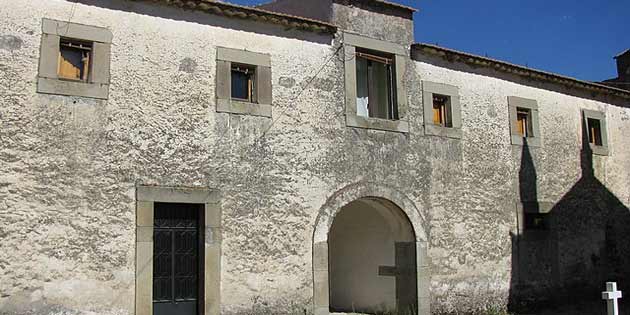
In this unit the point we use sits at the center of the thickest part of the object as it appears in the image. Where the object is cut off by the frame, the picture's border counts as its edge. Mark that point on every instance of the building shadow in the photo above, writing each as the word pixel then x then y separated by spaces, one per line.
pixel 563 253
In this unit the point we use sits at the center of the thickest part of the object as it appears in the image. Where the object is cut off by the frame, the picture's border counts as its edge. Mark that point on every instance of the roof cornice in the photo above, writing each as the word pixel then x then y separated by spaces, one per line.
pixel 251 13
pixel 502 66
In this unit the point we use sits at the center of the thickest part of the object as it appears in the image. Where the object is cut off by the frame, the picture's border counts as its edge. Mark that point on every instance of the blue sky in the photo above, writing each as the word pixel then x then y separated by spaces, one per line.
pixel 577 38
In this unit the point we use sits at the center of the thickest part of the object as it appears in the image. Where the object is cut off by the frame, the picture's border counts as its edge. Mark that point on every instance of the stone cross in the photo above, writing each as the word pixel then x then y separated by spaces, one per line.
pixel 611 295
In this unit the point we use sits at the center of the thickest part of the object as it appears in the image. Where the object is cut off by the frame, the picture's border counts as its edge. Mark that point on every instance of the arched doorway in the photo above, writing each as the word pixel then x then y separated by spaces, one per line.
pixel 388 202
pixel 372 259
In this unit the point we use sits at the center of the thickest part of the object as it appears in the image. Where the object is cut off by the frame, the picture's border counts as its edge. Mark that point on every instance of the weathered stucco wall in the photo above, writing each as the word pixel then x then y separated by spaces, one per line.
pixel 69 165
pixel 475 187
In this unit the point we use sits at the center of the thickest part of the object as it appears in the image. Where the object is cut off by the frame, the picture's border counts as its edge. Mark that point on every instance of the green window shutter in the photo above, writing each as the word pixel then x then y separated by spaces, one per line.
pixel 49 56
pixel 100 63
pixel 263 80
pixel 223 80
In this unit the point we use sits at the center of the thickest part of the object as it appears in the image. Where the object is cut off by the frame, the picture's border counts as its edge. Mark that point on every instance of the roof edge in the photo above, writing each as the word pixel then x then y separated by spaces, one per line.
pixel 252 13
pixel 622 53
pixel 503 66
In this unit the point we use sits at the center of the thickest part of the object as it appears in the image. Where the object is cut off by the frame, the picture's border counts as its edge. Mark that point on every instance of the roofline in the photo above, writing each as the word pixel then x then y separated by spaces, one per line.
pixel 458 56
pixel 398 5
pixel 622 53
pixel 252 13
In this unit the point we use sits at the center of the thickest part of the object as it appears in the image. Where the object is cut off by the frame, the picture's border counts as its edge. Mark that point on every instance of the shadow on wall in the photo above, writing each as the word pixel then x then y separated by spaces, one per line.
pixel 187 15
pixel 564 253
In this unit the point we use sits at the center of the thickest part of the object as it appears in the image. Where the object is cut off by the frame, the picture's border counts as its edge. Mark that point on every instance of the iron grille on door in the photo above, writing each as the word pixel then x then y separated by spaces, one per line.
pixel 176 259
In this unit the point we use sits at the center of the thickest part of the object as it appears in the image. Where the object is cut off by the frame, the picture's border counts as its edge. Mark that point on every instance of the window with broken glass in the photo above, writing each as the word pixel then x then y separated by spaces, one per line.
pixel 376 85
pixel 74 60
pixel 243 83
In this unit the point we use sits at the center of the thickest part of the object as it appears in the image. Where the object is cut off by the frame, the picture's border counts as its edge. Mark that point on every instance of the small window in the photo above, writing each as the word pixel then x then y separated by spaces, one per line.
pixel 441 110
pixel 243 83
pixel 376 86
pixel 536 221
pixel 594 132
pixel 74 60
pixel 523 122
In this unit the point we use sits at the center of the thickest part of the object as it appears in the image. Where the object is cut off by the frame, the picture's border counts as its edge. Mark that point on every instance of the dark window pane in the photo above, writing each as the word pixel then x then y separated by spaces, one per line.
pixel 594 132
pixel 536 221
pixel 243 83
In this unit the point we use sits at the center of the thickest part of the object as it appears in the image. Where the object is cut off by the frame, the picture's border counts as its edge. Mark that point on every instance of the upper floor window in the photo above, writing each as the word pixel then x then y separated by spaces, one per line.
pixel 595 129
pixel 442 112
pixel 594 132
pixel 243 82
pixel 74 60
pixel 376 88
pixel 524 124
pixel 375 93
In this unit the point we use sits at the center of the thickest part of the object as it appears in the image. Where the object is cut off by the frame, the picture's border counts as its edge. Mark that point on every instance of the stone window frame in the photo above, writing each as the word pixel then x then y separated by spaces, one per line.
pixel 146 197
pixel 262 62
pixel 350 44
pixel 48 81
pixel 515 102
pixel 604 149
pixel 428 89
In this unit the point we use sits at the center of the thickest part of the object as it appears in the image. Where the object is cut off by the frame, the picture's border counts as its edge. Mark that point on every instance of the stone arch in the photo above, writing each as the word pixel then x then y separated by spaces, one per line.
pixel 324 223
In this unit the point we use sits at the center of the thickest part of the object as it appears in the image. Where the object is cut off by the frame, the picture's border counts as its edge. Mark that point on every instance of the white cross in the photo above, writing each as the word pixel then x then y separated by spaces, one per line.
pixel 611 295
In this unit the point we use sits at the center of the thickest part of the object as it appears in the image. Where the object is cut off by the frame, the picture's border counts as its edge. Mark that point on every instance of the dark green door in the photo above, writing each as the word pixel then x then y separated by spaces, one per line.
pixel 176 259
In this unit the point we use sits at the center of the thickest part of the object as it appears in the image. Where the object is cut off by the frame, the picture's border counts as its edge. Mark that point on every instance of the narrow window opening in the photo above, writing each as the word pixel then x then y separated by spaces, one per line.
pixel 523 122
pixel 376 86
pixel 244 83
pixel 441 110
pixel 74 60
pixel 594 132
pixel 536 221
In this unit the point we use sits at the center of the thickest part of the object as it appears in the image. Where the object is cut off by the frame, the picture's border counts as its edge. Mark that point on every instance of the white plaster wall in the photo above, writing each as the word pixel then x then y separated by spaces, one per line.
pixel 465 273
pixel 68 166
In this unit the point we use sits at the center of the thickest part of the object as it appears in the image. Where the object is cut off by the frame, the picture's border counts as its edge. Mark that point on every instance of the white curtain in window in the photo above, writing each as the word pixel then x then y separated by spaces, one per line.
pixel 362 87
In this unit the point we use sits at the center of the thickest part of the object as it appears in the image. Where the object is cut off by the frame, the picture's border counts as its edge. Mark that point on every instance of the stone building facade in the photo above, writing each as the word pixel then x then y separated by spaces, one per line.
pixel 472 184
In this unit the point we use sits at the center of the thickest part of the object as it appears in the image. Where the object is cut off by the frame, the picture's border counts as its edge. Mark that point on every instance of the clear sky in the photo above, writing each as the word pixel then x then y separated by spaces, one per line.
pixel 577 38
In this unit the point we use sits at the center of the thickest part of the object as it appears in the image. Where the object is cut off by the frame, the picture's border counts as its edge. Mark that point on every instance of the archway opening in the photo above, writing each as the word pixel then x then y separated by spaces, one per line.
pixel 372 259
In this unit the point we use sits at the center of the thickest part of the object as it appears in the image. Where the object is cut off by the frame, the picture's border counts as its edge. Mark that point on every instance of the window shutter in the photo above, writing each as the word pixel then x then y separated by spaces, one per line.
pixel 100 63
pixel 223 80
pixel 49 56
pixel 264 85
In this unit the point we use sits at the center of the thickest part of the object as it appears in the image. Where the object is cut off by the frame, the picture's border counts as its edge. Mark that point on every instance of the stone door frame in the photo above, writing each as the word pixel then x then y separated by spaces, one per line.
pixel 326 215
pixel 146 197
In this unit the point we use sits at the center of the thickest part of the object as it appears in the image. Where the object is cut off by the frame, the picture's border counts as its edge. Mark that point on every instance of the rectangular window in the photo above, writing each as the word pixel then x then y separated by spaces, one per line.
pixel 243 83
pixel 536 221
pixel 74 60
pixel 376 86
pixel 523 122
pixel 441 112
pixel 594 132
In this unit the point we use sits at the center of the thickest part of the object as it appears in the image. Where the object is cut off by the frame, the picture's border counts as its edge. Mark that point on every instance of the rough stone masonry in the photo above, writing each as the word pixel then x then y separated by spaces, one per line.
pixel 494 220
